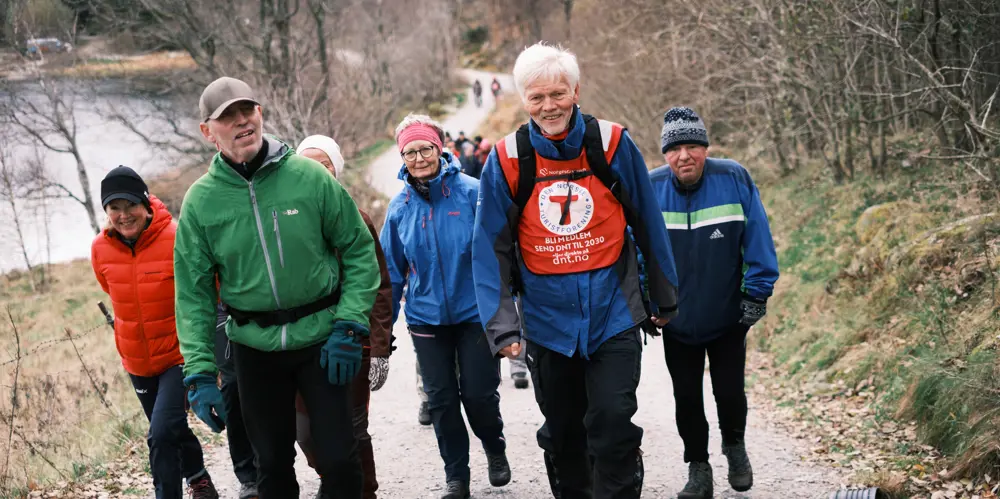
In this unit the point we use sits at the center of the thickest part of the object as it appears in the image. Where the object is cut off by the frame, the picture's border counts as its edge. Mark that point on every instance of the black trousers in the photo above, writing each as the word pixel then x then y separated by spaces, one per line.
pixel 460 372
pixel 591 446
pixel 268 382
pixel 240 450
pixel 174 451
pixel 727 361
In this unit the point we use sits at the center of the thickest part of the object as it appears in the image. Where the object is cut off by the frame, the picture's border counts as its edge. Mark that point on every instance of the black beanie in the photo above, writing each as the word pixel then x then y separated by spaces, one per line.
pixel 124 183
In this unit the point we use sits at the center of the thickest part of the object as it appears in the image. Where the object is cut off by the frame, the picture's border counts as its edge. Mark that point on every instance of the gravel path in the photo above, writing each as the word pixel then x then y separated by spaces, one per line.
pixel 406 455
pixel 409 466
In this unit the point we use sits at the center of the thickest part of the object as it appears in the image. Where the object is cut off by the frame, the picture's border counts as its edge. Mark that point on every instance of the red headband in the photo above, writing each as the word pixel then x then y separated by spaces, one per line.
pixel 419 131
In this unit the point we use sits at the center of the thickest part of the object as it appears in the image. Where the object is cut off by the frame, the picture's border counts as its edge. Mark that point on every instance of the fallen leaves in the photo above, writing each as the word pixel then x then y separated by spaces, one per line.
pixel 843 428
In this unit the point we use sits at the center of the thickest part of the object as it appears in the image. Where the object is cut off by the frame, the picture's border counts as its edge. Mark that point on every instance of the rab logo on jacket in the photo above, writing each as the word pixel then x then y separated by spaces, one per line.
pixel 291 212
pixel 552 202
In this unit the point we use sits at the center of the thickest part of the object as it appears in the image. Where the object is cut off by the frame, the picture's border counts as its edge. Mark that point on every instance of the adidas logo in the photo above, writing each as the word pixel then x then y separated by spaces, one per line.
pixel 716 235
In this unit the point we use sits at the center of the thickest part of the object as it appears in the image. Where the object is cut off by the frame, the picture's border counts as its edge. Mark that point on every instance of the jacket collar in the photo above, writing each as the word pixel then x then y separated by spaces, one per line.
pixel 566 149
pixel 276 150
pixel 450 167
pixel 161 220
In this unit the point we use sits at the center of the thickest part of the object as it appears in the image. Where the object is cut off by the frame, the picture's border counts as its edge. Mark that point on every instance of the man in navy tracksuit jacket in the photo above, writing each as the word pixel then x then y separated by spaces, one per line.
pixel 727 268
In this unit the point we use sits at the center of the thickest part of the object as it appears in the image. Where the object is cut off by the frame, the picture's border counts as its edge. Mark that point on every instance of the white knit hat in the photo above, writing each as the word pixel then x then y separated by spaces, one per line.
pixel 327 145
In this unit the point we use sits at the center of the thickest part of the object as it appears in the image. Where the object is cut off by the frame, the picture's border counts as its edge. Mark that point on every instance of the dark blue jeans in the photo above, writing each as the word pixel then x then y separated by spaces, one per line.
pixel 459 371
pixel 174 452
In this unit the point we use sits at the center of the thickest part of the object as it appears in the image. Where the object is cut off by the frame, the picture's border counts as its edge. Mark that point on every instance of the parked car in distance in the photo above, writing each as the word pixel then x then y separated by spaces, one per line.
pixel 35 47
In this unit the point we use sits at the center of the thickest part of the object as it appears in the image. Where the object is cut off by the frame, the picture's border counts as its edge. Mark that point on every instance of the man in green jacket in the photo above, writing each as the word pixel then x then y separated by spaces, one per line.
pixel 295 267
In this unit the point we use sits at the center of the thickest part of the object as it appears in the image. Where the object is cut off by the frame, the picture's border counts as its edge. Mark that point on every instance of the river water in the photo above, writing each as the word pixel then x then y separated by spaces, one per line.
pixel 104 144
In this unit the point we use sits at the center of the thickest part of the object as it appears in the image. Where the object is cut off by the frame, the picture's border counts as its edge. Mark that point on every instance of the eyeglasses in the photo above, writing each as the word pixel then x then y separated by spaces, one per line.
pixel 425 152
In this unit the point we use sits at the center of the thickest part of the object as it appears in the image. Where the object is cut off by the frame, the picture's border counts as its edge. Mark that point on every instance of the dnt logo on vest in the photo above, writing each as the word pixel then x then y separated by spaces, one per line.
pixel 550 207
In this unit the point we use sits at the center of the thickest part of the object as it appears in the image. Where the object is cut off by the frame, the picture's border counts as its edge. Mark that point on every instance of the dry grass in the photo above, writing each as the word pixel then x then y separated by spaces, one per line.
pixel 61 424
pixel 505 118
pixel 152 64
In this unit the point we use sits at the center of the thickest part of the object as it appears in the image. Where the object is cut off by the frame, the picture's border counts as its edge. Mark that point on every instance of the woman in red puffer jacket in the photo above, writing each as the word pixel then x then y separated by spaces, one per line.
pixel 133 260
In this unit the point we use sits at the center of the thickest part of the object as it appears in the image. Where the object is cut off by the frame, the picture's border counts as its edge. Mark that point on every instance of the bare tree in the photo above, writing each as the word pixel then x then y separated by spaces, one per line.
pixel 14 193
pixel 44 112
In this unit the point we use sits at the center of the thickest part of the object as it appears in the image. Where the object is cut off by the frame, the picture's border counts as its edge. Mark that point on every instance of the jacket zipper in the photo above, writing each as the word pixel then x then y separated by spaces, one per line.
pixel 135 290
pixel 267 258
pixel 437 253
pixel 277 235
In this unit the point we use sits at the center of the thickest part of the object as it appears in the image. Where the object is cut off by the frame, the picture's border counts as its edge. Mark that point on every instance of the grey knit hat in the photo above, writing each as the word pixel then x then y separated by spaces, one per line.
pixel 681 125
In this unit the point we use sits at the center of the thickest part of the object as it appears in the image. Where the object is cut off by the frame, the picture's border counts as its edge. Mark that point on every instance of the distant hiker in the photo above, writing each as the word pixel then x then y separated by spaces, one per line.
pixel 240 450
pixel 483 151
pixel 375 356
pixel 727 268
pixel 477 92
pixel 470 165
pixel 427 238
pixel 495 87
pixel 133 262
pixel 575 274
pixel 273 227
pixel 460 141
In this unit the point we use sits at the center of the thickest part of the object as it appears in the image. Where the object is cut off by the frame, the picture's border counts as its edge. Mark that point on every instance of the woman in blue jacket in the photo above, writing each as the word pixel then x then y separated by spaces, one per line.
pixel 427 239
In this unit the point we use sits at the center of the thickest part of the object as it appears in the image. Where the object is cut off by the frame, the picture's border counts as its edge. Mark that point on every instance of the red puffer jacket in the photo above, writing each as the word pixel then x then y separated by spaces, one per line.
pixel 141 285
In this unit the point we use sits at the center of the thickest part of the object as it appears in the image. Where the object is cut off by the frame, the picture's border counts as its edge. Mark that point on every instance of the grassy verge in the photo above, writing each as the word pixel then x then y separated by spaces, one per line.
pixel 505 118
pixel 891 284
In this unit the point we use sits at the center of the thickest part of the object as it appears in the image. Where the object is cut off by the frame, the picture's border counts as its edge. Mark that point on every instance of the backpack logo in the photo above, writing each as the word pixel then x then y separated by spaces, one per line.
pixel 291 212
pixel 716 235
pixel 553 199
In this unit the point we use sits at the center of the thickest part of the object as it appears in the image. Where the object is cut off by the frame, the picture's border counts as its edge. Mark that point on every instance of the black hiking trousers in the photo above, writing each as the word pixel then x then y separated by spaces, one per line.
pixel 727 361
pixel 591 447
pixel 240 450
pixel 268 382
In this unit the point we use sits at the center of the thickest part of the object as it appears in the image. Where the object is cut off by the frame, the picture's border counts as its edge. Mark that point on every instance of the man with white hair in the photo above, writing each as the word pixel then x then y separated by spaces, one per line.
pixel 556 201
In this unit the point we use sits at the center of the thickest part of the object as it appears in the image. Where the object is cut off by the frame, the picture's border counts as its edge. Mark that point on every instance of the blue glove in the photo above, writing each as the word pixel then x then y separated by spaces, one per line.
pixel 341 355
pixel 205 397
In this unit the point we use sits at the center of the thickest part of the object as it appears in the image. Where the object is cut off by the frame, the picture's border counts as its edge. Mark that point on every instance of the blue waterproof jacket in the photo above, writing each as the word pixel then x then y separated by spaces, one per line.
pixel 571 313
pixel 428 248
pixel 722 247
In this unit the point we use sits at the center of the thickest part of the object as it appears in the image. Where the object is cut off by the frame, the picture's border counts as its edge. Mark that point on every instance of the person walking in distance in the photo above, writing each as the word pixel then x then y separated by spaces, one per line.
pixel 377 347
pixel 495 87
pixel 556 200
pixel 133 261
pixel 427 240
pixel 727 267
pixel 297 272
pixel 477 92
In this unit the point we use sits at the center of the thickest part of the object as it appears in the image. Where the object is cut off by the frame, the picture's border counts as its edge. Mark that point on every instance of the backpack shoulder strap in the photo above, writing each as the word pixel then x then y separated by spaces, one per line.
pixel 525 154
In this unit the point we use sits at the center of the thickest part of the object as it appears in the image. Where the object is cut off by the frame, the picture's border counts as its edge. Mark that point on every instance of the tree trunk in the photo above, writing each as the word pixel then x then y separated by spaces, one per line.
pixel 88 199
pixel 568 15
pixel 319 16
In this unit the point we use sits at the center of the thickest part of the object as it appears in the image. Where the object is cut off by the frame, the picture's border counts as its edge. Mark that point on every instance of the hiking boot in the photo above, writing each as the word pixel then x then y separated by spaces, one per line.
pixel 520 380
pixel 456 489
pixel 248 491
pixel 699 484
pixel 202 488
pixel 424 414
pixel 740 472
pixel 499 469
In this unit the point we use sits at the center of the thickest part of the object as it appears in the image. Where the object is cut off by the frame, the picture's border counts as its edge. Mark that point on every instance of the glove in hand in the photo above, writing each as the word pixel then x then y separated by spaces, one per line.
pixel 341 355
pixel 378 373
pixel 753 310
pixel 206 400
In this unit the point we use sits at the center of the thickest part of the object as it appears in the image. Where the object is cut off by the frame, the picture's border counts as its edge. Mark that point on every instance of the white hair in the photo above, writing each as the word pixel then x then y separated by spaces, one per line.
pixel 419 119
pixel 545 62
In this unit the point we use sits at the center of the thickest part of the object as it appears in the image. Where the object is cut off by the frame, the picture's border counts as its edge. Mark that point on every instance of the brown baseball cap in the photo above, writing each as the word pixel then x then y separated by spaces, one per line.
pixel 222 93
